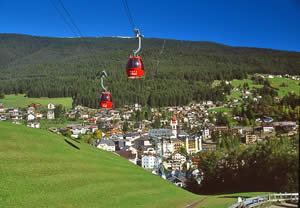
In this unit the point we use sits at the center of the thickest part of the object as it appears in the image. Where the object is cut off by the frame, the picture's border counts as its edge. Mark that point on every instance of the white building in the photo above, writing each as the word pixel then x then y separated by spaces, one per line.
pixel 30 110
pixel 106 144
pixel 51 106
pixel 39 115
pixel 150 161
pixel 30 117
pixel 50 115
pixel 34 125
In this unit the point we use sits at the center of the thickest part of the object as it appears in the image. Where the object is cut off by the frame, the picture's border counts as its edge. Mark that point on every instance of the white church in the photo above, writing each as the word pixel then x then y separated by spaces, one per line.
pixel 175 138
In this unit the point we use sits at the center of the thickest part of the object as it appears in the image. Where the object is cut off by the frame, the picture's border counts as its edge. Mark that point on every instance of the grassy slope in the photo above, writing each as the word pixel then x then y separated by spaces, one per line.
pixel 292 85
pixel 21 101
pixel 39 169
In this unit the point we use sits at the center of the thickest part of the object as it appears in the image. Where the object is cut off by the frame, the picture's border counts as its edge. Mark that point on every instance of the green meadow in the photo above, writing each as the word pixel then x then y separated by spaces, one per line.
pixel 41 169
pixel 285 86
pixel 21 101
pixel 223 109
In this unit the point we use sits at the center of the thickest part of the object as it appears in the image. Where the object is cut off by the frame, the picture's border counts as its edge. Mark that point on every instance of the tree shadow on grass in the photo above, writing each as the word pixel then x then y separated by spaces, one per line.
pixel 75 140
pixel 70 143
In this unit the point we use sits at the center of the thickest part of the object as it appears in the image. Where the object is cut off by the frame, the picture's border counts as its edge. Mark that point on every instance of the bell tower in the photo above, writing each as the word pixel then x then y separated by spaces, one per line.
pixel 174 125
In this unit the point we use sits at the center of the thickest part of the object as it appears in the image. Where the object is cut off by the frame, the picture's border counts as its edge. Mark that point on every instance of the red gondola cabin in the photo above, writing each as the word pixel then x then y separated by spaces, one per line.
pixel 105 100
pixel 135 68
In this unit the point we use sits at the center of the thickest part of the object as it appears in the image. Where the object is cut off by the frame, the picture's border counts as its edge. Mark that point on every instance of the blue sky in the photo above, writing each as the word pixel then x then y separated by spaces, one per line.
pixel 254 23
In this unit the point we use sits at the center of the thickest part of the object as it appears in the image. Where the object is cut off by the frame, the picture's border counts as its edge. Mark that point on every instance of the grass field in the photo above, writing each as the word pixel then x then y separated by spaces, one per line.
pixel 41 169
pixel 291 85
pixel 21 101
pixel 236 83
pixel 223 109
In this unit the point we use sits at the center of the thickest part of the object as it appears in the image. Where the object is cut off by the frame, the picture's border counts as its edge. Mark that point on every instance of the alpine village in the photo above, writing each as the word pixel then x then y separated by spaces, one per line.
pixel 191 124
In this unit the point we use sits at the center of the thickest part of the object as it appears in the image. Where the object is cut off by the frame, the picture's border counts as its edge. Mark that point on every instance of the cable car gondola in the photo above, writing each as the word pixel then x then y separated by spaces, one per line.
pixel 135 67
pixel 105 99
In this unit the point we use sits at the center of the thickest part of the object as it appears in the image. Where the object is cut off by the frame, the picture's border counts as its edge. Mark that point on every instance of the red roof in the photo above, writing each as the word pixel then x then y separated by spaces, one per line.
pixel 174 118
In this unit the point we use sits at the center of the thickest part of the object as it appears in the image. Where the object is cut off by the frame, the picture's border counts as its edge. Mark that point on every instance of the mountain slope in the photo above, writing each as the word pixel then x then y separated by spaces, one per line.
pixel 176 74
pixel 40 169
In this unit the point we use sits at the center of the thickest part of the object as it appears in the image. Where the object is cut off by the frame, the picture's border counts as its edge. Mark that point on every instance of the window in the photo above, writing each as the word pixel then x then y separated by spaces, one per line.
pixel 104 97
pixel 133 63
pixel 142 64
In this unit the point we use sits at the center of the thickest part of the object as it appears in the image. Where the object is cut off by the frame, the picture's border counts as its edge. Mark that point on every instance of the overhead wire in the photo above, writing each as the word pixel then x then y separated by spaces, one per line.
pixel 70 17
pixel 64 18
pixel 75 29
pixel 128 13
pixel 159 54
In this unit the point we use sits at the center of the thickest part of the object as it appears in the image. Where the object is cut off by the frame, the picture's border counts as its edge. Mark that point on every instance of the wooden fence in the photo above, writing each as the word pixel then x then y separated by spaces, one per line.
pixel 259 200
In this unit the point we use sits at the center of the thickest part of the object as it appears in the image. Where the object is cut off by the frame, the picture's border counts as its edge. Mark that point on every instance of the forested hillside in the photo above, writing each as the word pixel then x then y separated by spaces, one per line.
pixel 176 74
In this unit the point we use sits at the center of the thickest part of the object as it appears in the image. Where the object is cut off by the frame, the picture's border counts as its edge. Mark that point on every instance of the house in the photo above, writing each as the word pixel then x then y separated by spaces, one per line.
pixel 30 110
pixel 119 144
pixel 137 107
pixel 236 130
pixel 92 120
pixel 71 114
pixel 92 128
pixel 83 115
pixel 16 116
pixel 129 155
pixel 3 118
pixel 78 108
pixel 13 111
pixel 267 127
pixel 208 102
pixel 35 105
pixel 150 161
pixel 178 178
pixel 251 139
pixel 177 161
pixel 221 129
pixel 285 125
pixel 51 106
pixel 34 125
pixel 2 109
pixel 132 136
pixel 115 114
pixel 39 115
pixel 105 144
pixel 30 117
pixel 76 129
pixel 50 115
pixel 143 141
pixel 149 150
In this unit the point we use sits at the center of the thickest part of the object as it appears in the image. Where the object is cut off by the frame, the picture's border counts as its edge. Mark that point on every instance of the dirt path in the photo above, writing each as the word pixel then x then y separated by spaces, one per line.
pixel 194 204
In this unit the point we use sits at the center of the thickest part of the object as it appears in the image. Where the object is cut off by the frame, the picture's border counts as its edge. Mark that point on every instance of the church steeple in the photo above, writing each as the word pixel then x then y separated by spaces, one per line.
pixel 174 125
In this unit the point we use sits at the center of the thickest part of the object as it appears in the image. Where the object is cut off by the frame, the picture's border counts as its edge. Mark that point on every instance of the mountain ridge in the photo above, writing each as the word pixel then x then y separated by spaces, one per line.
pixel 58 67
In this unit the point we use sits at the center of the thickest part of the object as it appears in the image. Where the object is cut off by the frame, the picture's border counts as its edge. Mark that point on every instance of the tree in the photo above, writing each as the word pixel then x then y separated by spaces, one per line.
pixel 125 126
pixel 2 95
pixel 87 139
pixel 156 124
pixel 58 111
pixel 97 134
